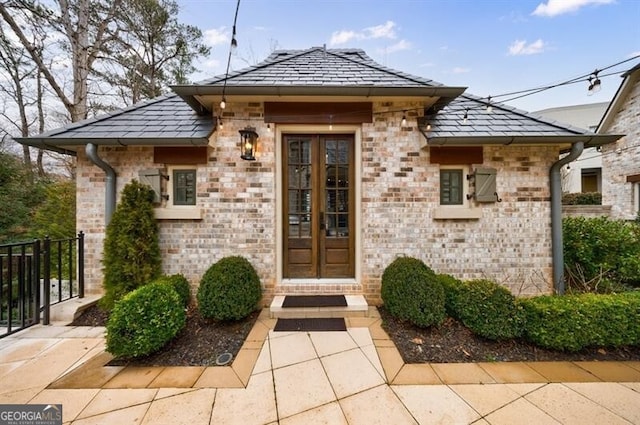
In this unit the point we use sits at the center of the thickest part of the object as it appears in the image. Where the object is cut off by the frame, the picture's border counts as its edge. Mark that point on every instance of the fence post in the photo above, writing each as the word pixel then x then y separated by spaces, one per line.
pixel 47 280
pixel 36 279
pixel 81 264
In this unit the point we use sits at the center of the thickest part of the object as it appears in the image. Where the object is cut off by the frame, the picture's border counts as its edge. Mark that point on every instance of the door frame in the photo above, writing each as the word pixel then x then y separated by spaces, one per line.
pixel 280 130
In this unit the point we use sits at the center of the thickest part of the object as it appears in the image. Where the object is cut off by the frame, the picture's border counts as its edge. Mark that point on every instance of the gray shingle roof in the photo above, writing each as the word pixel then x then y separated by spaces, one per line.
pixel 319 66
pixel 165 120
pixel 318 71
pixel 503 124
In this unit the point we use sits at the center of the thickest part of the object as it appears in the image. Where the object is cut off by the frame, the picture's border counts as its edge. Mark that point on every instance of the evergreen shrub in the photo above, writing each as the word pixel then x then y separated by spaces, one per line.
pixel 452 288
pixel 229 290
pixel 411 291
pixel 144 321
pixel 573 322
pixel 488 309
pixel 180 284
pixel 131 249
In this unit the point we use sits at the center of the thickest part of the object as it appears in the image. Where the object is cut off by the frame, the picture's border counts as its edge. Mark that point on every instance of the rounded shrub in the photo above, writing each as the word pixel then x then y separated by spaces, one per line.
pixel 411 291
pixel 229 290
pixel 144 321
pixel 452 289
pixel 489 310
pixel 181 286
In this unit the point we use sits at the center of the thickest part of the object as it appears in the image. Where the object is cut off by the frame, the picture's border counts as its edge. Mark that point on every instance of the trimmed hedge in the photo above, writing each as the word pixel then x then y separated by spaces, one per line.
pixel 229 290
pixel 144 321
pixel 587 198
pixel 181 286
pixel 573 322
pixel 488 309
pixel 411 291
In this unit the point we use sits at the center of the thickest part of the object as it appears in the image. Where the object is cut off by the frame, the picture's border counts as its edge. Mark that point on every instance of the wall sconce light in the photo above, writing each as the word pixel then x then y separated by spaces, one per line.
pixel 248 143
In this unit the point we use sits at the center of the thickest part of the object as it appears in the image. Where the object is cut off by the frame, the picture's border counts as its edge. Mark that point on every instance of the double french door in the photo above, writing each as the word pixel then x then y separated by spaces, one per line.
pixel 319 192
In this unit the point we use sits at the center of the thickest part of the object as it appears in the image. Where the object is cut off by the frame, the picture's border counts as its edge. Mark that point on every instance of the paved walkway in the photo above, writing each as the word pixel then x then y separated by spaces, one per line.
pixel 308 378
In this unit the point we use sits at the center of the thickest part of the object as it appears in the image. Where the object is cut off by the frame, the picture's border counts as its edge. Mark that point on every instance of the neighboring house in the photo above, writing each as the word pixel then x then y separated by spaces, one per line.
pixel 621 161
pixel 585 173
pixel 356 164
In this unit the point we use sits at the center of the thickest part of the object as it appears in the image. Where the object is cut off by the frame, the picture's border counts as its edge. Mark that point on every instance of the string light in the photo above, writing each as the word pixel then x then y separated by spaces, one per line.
pixel 489 105
pixel 594 83
pixel 268 127
pixel 404 118
pixel 233 45
pixel 466 116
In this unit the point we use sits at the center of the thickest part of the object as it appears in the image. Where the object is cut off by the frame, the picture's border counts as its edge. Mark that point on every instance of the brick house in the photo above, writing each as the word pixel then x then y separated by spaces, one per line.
pixel 621 160
pixel 355 164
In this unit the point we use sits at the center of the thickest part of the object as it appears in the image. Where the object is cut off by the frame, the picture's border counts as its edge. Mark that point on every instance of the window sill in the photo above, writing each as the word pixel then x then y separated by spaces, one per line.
pixel 457 213
pixel 189 213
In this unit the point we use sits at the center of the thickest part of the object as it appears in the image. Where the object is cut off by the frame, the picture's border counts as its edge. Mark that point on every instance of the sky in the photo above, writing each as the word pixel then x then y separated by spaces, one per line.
pixel 493 47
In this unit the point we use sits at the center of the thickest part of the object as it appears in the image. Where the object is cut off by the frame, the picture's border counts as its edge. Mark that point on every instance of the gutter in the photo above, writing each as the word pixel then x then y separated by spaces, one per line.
pixel 110 188
pixel 557 252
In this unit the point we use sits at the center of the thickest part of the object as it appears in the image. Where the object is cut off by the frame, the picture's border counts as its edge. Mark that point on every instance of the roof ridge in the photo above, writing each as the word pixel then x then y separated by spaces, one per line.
pixel 269 60
pixel 380 67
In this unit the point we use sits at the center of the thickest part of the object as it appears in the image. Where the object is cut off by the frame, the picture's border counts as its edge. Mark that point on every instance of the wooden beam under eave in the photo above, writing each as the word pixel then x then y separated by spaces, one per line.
pixel 318 112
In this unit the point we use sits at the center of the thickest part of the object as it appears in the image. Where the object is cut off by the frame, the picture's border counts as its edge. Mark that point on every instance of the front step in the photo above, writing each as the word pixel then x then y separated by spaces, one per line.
pixel 318 307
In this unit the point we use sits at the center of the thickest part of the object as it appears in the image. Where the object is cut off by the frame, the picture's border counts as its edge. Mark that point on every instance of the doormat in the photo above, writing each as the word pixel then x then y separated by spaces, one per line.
pixel 314 301
pixel 310 325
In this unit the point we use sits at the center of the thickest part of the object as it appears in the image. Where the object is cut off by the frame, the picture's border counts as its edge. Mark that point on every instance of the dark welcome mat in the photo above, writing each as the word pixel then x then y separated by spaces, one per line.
pixel 314 301
pixel 311 325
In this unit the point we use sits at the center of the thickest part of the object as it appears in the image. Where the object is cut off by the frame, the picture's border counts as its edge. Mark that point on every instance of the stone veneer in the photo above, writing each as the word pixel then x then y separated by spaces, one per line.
pixel 622 158
pixel 510 243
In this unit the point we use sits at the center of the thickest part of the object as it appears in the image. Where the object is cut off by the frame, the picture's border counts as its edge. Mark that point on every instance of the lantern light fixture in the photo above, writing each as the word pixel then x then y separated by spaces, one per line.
pixel 248 143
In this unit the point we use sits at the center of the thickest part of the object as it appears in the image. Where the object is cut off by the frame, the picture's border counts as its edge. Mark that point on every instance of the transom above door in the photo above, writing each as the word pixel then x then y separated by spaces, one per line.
pixel 319 206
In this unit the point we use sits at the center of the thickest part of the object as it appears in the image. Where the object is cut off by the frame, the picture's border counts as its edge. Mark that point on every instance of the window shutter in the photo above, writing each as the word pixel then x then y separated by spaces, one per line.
pixel 485 181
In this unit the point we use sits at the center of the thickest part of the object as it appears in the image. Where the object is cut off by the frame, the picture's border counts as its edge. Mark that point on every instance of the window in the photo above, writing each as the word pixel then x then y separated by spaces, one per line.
pixel 451 187
pixel 179 195
pixel 184 187
pixel 454 188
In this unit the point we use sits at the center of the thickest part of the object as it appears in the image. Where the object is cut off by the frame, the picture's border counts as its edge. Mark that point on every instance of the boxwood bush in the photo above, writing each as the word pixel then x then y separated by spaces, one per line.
pixel 411 291
pixel 452 288
pixel 229 290
pixel 144 321
pixel 488 309
pixel 573 322
pixel 181 286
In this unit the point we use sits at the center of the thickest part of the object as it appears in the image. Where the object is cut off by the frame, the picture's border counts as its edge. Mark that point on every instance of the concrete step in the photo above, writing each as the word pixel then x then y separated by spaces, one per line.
pixel 356 307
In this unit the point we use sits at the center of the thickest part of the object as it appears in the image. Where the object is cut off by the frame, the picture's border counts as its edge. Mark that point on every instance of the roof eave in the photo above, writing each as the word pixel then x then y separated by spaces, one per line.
pixel 62 145
pixel 588 139
pixel 188 92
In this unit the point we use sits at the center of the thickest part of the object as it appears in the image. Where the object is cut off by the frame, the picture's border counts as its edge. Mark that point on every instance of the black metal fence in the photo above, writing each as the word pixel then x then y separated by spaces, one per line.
pixel 36 275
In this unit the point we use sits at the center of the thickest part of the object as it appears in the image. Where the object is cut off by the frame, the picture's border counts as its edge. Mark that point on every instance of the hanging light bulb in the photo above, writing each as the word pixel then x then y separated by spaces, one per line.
pixel 594 83
pixel 404 118
pixel 428 126
pixel 489 105
pixel 221 125
pixel 223 103
pixel 465 119
pixel 269 127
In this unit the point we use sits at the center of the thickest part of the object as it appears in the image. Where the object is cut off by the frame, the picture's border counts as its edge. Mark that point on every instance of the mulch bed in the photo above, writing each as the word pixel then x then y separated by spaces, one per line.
pixel 452 342
pixel 202 341
pixel 198 344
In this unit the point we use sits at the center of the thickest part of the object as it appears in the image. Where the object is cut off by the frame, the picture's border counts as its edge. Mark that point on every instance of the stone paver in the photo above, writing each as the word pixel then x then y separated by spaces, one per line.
pixel 570 407
pixel 294 378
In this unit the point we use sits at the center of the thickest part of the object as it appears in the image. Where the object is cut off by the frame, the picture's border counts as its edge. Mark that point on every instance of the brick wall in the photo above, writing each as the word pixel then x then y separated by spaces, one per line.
pixel 623 157
pixel 510 243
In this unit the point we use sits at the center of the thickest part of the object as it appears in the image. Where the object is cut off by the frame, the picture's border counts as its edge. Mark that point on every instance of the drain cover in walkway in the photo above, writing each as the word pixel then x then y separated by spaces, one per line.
pixel 314 301
pixel 311 325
